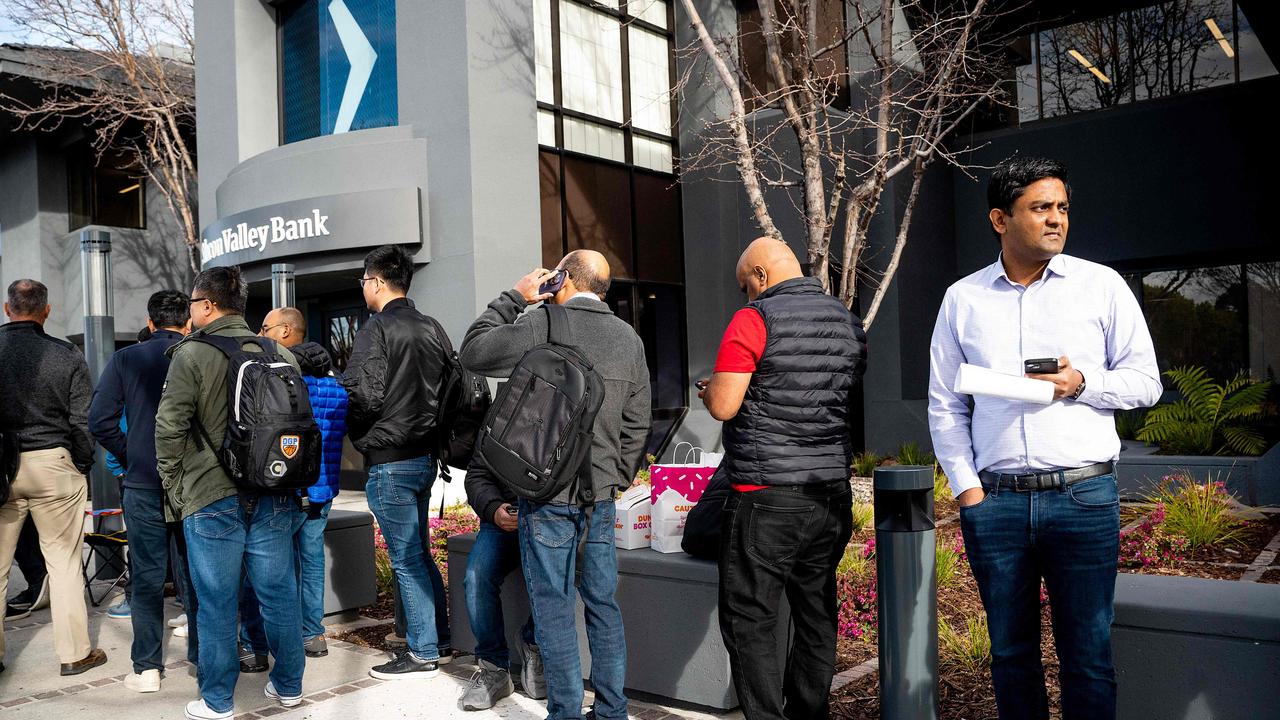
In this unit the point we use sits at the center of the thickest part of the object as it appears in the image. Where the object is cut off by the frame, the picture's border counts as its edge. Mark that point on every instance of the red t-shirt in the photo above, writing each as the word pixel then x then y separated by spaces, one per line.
pixel 740 351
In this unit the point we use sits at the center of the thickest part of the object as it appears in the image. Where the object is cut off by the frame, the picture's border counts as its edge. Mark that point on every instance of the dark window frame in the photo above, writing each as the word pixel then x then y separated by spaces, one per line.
pixel 86 165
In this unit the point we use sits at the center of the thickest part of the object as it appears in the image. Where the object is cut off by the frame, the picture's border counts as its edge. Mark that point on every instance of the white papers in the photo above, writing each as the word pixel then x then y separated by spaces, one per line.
pixel 974 380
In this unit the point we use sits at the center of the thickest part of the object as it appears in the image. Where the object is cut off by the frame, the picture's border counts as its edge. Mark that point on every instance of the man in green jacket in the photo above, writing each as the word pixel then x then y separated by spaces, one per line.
pixel 226 529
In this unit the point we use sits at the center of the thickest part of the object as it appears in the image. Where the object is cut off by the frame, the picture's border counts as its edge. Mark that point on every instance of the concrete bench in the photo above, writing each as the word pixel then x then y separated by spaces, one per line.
pixel 350 582
pixel 668 602
pixel 1190 648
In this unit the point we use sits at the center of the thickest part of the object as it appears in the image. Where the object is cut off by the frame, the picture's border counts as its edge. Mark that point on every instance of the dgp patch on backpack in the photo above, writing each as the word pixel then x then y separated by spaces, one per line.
pixel 289 445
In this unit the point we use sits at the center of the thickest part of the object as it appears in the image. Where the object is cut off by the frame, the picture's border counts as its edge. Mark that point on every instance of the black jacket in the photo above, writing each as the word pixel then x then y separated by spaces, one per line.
pixel 485 494
pixel 44 392
pixel 131 385
pixel 393 380
pixel 793 426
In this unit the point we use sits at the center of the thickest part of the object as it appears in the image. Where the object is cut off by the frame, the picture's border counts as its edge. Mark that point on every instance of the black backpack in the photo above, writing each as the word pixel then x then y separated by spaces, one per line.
pixel 272 442
pixel 460 409
pixel 9 450
pixel 536 438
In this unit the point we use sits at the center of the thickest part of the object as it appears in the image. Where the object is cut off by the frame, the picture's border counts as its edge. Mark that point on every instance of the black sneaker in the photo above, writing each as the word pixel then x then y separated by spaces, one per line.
pixel 251 662
pixel 489 684
pixel 405 667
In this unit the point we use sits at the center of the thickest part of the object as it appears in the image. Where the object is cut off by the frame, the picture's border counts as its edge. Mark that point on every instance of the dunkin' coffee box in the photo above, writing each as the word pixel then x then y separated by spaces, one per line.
pixel 632 518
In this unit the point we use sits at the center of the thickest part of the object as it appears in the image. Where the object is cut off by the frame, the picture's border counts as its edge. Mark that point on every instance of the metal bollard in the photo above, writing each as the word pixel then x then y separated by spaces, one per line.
pixel 908 592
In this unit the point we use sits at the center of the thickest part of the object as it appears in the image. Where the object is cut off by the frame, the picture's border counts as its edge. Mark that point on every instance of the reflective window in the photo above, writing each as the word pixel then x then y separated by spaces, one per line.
pixel 338 67
pixel 104 190
pixel 590 61
pixel 650 81
pixel 1163 49
pixel 1224 318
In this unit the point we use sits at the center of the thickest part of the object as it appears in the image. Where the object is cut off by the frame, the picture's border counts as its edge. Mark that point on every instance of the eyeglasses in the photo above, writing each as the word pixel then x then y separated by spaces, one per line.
pixel 364 280
pixel 267 328
pixel 195 300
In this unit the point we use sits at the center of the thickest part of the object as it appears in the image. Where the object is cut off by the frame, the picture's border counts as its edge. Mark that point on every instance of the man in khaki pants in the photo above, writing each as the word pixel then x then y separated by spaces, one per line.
pixel 44 383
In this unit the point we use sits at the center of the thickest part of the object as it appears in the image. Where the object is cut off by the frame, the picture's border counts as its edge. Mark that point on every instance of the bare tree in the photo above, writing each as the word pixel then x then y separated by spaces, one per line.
pixel 132 82
pixel 868 90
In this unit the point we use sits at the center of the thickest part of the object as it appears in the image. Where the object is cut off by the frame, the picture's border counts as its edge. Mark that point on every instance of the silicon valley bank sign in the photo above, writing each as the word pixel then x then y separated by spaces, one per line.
pixel 320 224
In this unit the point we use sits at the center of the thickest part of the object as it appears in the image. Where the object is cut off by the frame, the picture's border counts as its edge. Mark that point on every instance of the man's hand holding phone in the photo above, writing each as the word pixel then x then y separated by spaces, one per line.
pixel 506 517
pixel 530 286
pixel 1065 378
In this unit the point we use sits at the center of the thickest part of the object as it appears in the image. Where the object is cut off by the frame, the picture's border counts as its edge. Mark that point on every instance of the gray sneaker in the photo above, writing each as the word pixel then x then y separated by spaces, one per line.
pixel 315 646
pixel 489 684
pixel 531 678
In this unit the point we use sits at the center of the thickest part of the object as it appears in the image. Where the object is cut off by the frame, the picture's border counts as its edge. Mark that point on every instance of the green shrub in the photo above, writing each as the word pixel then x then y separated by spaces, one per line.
pixel 1129 423
pixel 947 564
pixel 854 564
pixel 909 453
pixel 863 515
pixel 1210 419
pixel 865 463
pixel 970 649
pixel 941 485
pixel 642 475
pixel 1200 513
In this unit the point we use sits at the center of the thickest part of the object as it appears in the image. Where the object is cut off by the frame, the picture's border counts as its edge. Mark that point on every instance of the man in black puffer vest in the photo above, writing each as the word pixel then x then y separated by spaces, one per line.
pixel 783 385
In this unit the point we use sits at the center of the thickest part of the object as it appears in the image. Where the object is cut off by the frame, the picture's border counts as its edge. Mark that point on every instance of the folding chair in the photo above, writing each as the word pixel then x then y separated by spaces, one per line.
pixel 109 547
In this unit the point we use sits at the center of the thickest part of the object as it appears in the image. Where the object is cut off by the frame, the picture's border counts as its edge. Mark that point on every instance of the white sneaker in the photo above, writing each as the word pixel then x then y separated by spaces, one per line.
pixel 285 700
pixel 197 710
pixel 180 631
pixel 179 621
pixel 143 682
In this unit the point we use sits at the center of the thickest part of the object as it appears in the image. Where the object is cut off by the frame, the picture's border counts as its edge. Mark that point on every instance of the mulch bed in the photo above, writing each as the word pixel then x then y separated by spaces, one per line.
pixel 383 609
pixel 852 653
pixel 1257 535
pixel 1191 569
pixel 371 636
pixel 1271 577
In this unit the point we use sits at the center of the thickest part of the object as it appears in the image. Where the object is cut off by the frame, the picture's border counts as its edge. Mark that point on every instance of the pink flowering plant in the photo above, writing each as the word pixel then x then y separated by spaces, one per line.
pixel 856 594
pixel 1151 545
pixel 458 519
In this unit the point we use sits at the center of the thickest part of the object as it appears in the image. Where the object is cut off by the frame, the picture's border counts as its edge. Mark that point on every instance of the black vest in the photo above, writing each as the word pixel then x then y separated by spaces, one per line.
pixel 793 427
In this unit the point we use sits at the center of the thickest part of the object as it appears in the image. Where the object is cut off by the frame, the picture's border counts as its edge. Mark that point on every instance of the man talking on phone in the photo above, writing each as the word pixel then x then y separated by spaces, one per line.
pixel 1036 483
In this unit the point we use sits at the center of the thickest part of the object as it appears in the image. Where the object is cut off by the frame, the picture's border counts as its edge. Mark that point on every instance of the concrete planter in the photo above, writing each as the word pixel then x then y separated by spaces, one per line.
pixel 1190 648
pixel 1252 480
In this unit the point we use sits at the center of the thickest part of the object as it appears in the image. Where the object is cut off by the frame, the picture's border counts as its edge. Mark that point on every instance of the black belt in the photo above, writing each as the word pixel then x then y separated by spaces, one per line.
pixel 1046 479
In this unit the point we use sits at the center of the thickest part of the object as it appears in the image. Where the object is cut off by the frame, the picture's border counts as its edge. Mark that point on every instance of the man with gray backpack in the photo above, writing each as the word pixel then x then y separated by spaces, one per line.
pixel 235 441
pixel 568 363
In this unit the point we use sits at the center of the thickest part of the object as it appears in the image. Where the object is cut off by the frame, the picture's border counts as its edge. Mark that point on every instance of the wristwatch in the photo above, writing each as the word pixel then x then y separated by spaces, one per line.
pixel 1079 389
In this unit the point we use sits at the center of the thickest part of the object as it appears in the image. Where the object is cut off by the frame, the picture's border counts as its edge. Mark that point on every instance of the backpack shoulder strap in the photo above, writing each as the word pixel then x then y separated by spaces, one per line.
pixel 441 336
pixel 231 345
pixel 558 330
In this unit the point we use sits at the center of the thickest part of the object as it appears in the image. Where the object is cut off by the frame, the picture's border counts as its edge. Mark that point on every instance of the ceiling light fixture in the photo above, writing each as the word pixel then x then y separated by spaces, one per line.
pixel 1217 35
pixel 131 188
pixel 1089 66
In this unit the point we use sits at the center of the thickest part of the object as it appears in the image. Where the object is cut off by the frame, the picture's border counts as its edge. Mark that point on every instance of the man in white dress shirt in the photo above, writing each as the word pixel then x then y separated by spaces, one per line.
pixel 1036 483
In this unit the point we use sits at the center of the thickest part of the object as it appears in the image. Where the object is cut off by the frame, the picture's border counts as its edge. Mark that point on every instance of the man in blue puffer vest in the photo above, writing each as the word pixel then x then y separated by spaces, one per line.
pixel 329 405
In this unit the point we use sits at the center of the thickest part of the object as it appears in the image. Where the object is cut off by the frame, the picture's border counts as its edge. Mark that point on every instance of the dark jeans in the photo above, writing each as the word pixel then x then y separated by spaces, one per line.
pixel 149 559
pixel 548 552
pixel 253 630
pixel 494 556
pixel 29 557
pixel 223 538
pixel 1069 537
pixel 399 495
pixel 783 540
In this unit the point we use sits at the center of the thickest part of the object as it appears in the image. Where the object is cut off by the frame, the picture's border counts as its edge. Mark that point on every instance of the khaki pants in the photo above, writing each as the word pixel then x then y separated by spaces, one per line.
pixel 53 491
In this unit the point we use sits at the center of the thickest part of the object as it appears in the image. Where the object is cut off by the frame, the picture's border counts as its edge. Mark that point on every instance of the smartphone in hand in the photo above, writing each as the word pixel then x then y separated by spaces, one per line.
pixel 554 283
pixel 1040 366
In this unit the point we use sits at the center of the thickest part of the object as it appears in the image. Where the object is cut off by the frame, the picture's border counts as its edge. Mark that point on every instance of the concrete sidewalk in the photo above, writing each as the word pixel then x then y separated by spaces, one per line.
pixel 337 686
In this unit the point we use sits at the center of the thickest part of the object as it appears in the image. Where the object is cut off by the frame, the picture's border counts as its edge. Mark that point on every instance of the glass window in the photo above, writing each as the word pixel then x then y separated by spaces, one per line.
pixel 597 202
pixel 544 67
pixel 1253 60
pixel 338 67
pixel 650 81
pixel 590 61
pixel 549 196
pixel 650 11
pixel 546 128
pixel 652 154
pixel 594 139
pixel 104 191
pixel 659 250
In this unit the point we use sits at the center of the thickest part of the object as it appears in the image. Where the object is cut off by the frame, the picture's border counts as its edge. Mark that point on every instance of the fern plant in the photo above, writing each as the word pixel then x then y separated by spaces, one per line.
pixel 1210 419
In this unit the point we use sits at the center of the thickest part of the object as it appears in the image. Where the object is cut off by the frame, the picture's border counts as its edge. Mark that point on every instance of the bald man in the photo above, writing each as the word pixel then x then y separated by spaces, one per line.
pixel 494 345
pixel 783 386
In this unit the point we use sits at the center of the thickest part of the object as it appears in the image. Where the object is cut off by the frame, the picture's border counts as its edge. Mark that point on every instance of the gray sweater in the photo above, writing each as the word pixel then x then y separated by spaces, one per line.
pixel 45 385
pixel 497 340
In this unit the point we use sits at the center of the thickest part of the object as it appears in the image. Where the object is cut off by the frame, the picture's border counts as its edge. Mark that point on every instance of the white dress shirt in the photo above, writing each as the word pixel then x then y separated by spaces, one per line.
pixel 1077 308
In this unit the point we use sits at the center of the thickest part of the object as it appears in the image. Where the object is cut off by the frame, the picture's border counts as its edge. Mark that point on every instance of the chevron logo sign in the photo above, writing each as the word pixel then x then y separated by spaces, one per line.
pixel 360 54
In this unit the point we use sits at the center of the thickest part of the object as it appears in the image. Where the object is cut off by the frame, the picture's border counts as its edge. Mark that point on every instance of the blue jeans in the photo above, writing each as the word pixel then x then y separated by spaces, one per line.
pixel 1069 537
pixel 224 538
pixel 149 559
pixel 548 551
pixel 253 632
pixel 399 495
pixel 495 554
pixel 309 546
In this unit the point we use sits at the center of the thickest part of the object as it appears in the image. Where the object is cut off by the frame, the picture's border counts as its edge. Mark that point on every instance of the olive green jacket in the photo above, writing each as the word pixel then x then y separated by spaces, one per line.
pixel 196 387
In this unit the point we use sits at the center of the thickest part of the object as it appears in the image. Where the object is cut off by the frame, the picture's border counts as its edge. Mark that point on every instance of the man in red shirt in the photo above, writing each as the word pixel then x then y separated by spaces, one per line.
pixel 783 385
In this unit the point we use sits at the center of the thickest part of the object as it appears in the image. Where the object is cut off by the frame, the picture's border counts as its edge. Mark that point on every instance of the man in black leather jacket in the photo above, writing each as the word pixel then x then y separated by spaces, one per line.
pixel 393 380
